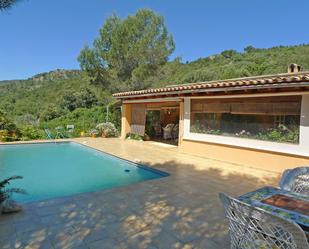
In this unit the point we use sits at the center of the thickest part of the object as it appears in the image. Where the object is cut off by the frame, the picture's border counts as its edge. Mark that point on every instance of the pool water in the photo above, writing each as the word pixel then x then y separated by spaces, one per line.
pixel 62 169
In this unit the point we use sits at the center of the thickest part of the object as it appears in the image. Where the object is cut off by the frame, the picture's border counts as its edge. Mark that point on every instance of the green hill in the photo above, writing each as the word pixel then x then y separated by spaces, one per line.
pixel 232 64
pixel 44 92
pixel 67 96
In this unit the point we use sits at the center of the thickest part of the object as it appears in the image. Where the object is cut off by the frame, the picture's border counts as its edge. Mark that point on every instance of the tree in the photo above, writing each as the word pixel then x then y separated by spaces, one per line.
pixel 6 4
pixel 50 112
pixel 128 51
pixel 249 49
pixel 229 53
pixel 85 98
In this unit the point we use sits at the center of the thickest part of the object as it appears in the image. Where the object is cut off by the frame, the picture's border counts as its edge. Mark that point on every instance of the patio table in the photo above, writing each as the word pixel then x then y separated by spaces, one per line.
pixel 288 205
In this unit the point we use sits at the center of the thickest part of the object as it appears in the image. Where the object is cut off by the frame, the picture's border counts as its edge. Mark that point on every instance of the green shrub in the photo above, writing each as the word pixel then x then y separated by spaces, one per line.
pixel 134 136
pixel 107 129
pixel 30 133
pixel 8 130
pixel 4 135
pixel 85 119
pixel 94 132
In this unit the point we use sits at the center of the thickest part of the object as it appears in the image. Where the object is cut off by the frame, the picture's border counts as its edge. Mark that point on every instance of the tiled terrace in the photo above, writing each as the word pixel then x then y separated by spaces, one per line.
pixel 179 211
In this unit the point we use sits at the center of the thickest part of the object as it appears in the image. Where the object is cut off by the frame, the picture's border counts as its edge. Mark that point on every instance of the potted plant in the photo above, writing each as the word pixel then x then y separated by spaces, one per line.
pixel 132 136
pixel 94 133
pixel 107 129
pixel 146 137
pixel 7 205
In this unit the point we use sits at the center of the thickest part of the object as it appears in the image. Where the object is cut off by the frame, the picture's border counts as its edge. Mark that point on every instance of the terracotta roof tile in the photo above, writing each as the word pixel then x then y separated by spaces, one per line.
pixel 244 82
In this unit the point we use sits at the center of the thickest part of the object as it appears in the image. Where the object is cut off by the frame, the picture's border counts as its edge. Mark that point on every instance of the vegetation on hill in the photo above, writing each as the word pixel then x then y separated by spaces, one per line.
pixel 129 54
pixel 232 64
pixel 53 99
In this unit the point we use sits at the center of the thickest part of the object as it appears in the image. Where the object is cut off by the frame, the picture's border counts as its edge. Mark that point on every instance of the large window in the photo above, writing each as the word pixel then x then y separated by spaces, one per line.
pixel 272 118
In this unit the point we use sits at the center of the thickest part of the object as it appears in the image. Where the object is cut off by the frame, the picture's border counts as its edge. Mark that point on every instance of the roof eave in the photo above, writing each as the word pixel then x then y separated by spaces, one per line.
pixel 222 89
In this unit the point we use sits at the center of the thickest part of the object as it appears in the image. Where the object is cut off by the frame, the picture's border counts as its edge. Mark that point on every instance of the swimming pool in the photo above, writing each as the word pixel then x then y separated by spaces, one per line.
pixel 66 168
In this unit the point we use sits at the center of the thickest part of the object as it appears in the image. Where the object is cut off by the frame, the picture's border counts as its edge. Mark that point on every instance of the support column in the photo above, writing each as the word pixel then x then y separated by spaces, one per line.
pixel 126 117
pixel 181 122
pixel 304 122
pixel 187 110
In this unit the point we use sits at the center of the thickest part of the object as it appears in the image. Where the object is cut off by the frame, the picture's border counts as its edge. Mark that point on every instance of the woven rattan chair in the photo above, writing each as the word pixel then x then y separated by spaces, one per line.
pixel 167 131
pixel 175 131
pixel 296 180
pixel 254 228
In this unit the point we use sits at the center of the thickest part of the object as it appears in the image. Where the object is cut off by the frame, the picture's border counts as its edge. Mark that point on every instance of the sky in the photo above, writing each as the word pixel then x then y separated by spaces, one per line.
pixel 43 35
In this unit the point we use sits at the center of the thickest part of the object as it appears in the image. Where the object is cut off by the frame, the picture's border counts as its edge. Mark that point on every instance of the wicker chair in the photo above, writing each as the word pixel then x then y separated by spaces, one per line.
pixel 254 228
pixel 167 131
pixel 296 180
pixel 175 131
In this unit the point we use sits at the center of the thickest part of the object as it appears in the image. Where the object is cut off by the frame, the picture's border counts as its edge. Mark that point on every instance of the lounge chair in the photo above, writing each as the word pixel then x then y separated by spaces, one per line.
pixel 48 133
pixel 59 132
pixel 296 180
pixel 70 128
pixel 252 228
pixel 167 131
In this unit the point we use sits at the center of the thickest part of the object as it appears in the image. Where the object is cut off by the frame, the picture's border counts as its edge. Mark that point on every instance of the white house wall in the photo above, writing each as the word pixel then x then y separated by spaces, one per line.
pixel 301 149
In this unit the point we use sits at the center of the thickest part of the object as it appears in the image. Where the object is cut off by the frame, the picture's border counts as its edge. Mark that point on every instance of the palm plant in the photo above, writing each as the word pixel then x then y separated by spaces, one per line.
pixel 5 193
pixel 6 4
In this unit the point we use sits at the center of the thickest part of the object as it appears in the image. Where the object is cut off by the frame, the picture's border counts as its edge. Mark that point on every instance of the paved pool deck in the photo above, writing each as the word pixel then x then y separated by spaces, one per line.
pixel 181 211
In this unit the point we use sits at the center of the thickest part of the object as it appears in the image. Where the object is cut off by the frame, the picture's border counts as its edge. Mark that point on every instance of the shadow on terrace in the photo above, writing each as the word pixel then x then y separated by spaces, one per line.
pixel 178 211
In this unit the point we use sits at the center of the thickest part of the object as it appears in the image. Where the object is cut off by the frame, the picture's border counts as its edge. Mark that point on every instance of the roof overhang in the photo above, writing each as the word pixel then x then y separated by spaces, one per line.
pixel 251 85
pixel 154 100
pixel 244 89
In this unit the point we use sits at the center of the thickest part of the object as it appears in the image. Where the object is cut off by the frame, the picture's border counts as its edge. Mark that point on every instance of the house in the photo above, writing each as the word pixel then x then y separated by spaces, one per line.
pixel 258 121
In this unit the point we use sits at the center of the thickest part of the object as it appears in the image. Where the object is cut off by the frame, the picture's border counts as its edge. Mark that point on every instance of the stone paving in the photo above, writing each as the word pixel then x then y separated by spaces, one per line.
pixel 181 211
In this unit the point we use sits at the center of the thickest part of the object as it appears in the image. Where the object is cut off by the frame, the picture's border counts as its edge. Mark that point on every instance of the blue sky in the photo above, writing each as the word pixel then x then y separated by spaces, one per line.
pixel 42 35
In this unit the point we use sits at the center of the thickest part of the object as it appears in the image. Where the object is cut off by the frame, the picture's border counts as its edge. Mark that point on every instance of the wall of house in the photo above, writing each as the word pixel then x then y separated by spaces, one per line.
pixel 265 160
pixel 255 153
pixel 126 118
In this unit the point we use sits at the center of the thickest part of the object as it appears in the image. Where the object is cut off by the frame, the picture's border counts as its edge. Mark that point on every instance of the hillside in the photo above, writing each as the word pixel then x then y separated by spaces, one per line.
pixel 63 96
pixel 43 92
pixel 232 64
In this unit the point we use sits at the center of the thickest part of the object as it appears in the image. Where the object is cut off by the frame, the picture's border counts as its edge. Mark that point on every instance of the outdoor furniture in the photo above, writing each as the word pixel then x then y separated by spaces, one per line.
pixel 294 208
pixel 167 131
pixel 59 132
pixel 252 227
pixel 175 131
pixel 70 128
pixel 296 180
pixel 48 133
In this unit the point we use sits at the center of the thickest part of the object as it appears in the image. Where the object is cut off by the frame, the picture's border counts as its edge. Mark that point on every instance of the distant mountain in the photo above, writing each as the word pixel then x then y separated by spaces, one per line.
pixel 4 82
pixel 59 74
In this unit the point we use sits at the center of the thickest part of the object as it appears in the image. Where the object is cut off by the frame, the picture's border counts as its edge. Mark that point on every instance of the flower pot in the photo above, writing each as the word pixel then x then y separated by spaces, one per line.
pixel 104 135
pixel 146 138
pixel 10 206
pixel 93 135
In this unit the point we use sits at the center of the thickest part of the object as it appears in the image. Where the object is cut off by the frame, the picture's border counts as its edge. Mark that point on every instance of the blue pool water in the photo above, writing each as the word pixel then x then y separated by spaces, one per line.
pixel 61 169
